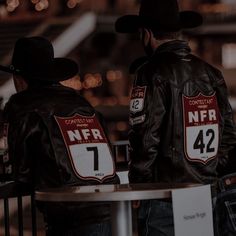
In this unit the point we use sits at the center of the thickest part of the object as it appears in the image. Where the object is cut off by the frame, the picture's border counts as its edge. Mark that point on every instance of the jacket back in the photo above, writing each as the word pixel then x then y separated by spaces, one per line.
pixel 181 121
pixel 57 139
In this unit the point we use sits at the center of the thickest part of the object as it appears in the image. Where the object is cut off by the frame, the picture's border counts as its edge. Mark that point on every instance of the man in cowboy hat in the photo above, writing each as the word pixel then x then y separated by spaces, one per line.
pixel 182 125
pixel 51 130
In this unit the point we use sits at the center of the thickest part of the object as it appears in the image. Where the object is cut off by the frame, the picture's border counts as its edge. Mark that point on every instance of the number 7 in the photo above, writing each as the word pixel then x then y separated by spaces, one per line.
pixel 95 150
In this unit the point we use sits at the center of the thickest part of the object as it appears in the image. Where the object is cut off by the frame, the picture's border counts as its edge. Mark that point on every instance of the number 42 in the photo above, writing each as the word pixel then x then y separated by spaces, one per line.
pixel 201 139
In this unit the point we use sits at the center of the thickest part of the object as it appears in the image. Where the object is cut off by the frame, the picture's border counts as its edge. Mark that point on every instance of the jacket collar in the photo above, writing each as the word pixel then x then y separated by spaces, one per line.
pixel 178 47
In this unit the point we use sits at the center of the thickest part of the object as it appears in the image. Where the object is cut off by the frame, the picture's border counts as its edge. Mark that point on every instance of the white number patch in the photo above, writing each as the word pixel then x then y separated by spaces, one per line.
pixel 87 146
pixel 92 160
pixel 136 105
pixel 137 99
pixel 202 142
pixel 201 127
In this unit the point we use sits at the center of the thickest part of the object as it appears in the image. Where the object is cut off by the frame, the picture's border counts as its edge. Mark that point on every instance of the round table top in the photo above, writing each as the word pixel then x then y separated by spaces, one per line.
pixel 120 192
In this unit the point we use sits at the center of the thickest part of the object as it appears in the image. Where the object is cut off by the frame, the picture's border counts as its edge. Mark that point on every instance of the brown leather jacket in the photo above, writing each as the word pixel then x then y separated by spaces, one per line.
pixel 181 121
pixel 57 139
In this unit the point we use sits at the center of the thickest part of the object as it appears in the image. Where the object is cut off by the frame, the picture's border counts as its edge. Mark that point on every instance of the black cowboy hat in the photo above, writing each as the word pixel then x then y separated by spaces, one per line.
pixel 33 58
pixel 159 16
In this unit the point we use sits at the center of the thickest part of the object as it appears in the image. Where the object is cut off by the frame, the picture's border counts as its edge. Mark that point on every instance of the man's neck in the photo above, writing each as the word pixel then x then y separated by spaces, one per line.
pixel 157 43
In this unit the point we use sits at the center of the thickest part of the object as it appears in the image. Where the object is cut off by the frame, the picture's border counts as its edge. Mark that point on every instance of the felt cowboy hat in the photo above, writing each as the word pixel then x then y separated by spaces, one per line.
pixel 33 58
pixel 160 16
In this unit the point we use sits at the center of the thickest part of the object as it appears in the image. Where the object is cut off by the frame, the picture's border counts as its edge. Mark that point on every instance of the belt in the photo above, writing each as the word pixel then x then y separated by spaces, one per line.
pixel 230 180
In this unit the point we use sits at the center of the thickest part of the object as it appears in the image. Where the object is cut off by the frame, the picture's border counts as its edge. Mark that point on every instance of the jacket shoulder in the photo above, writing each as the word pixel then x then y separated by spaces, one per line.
pixel 209 67
pixel 15 103
pixel 158 67
pixel 137 64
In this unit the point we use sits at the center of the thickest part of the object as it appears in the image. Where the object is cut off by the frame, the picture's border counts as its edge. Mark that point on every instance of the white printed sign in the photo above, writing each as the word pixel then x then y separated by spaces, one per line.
pixel 193 211
pixel 201 127
pixel 87 146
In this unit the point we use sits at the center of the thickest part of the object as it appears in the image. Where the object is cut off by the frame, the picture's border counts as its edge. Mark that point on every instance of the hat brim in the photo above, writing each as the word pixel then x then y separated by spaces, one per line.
pixel 132 23
pixel 7 69
pixel 59 70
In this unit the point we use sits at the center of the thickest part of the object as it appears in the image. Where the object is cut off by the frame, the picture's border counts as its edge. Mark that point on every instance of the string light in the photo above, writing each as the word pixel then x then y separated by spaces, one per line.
pixel 121 126
pixel 41 5
pixel 12 5
pixel 3 11
pixel 73 3
pixel 113 75
pixel 92 80
pixel 35 1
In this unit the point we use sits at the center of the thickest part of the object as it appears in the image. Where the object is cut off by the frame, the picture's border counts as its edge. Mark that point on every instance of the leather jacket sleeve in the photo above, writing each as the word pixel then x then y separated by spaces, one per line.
pixel 23 132
pixel 228 138
pixel 145 137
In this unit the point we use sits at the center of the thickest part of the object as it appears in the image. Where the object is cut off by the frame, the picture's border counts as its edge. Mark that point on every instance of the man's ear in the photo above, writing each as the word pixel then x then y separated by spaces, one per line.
pixel 20 83
pixel 147 34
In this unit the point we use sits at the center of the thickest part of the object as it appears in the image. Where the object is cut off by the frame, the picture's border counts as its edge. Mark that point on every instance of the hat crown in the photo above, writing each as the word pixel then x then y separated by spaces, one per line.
pixel 33 58
pixel 159 15
pixel 32 53
pixel 154 8
pixel 163 13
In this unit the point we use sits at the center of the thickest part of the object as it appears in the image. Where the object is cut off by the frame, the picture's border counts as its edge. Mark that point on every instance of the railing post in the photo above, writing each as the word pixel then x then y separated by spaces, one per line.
pixel 20 215
pixel 6 217
pixel 33 214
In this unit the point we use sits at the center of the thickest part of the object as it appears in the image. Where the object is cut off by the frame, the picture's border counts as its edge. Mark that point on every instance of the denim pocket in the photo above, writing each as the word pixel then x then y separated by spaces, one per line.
pixel 231 212
pixel 226 213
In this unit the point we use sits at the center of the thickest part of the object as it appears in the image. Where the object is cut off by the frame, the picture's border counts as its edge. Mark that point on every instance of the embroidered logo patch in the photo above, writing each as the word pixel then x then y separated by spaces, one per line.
pixel 137 99
pixel 201 127
pixel 137 120
pixel 87 147
pixel 4 146
pixel 5 135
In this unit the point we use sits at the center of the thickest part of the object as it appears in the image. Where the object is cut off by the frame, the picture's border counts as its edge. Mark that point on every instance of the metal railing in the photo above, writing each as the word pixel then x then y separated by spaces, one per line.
pixel 13 210
pixel 15 203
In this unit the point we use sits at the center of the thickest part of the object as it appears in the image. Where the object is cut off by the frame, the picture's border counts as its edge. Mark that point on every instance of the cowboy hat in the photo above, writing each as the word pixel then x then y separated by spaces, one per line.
pixel 160 16
pixel 33 58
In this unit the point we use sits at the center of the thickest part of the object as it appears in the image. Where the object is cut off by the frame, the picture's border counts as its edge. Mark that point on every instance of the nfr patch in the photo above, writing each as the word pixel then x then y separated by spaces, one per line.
pixel 201 127
pixel 137 99
pixel 87 147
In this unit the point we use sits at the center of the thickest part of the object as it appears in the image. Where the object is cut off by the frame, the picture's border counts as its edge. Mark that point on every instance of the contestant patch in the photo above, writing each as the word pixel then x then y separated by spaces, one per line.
pixel 87 146
pixel 137 99
pixel 137 120
pixel 201 127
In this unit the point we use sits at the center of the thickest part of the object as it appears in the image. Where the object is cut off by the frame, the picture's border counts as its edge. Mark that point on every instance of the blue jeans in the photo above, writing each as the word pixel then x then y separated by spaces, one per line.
pixel 155 218
pixel 225 209
pixel 99 229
